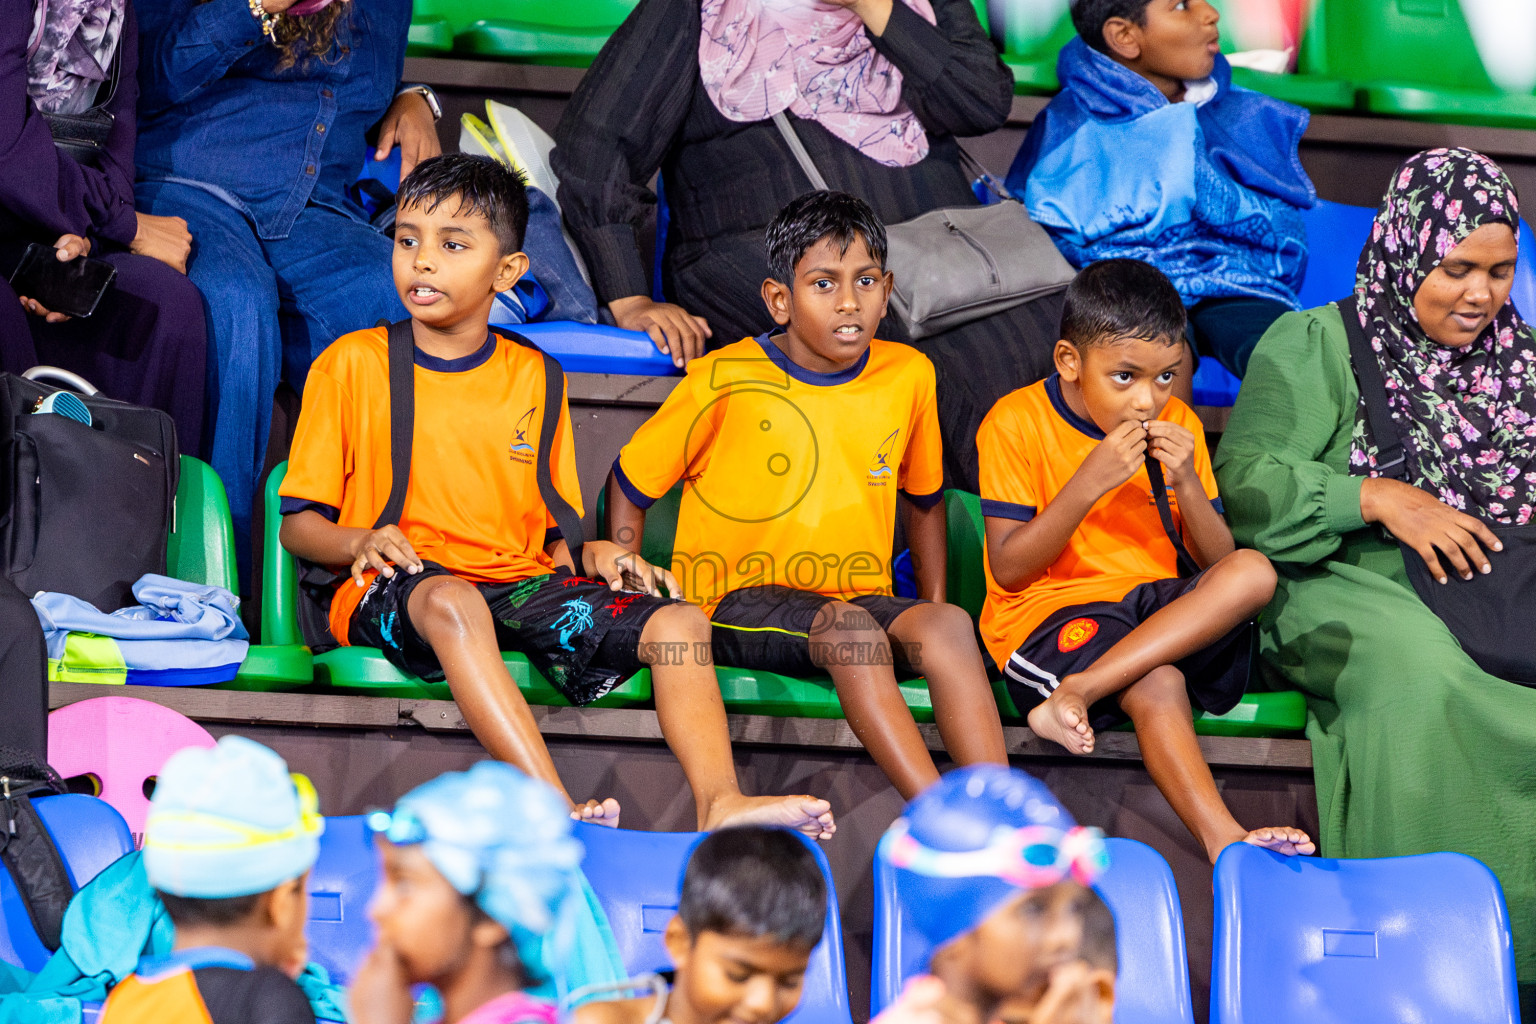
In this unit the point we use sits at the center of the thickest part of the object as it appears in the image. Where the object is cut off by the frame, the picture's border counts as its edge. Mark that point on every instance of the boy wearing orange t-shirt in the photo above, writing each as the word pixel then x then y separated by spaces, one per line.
pixel 793 449
pixel 1086 611
pixel 476 564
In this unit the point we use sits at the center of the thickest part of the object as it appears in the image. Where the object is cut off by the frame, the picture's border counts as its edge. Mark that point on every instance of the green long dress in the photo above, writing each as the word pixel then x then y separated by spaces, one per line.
pixel 1414 747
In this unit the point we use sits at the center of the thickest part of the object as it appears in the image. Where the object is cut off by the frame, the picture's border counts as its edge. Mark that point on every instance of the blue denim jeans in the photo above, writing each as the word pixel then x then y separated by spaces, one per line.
pixel 273 305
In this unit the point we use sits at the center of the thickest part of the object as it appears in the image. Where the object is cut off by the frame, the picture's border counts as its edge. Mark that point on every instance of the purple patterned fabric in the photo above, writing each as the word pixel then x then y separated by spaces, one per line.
pixel 1467 416
pixel 760 57
pixel 70 52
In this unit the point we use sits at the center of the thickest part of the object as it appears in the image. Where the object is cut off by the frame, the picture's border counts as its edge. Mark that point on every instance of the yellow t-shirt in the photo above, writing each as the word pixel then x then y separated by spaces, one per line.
pixel 789 476
pixel 1029 446
pixel 473 503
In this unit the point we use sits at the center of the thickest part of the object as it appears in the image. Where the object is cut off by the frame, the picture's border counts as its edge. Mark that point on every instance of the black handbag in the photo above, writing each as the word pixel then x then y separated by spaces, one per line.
pixel 1490 615
pixel 26 848
pixel 83 136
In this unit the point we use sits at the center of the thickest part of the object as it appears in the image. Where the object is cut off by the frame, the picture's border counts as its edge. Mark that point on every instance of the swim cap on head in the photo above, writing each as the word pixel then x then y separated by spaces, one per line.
pixel 229 821
pixel 975 839
pixel 504 840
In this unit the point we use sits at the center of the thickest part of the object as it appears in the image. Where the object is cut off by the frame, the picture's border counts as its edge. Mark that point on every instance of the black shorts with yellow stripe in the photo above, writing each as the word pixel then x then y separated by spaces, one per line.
pixel 774 629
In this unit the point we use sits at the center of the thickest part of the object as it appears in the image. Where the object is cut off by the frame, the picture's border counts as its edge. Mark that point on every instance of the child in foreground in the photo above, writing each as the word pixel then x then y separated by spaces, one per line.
pixel 796 451
pixel 476 565
pixel 228 845
pixel 993 873
pixel 752 910
pixel 480 885
pixel 1086 610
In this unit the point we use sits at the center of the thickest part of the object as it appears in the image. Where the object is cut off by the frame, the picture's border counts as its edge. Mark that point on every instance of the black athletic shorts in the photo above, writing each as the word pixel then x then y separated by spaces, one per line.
pixel 1073 638
pixel 584 637
pixel 769 628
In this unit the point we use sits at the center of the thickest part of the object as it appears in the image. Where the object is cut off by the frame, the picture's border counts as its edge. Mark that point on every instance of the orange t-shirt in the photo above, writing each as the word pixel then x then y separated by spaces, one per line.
pixel 789 476
pixel 473 503
pixel 1029 446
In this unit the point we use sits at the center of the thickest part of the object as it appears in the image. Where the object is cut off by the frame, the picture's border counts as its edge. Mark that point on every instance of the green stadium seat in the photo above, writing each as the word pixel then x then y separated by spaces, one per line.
pixel 1257 714
pixel 1030 34
pixel 432 28
pixel 1313 91
pixel 365 671
pixel 537 31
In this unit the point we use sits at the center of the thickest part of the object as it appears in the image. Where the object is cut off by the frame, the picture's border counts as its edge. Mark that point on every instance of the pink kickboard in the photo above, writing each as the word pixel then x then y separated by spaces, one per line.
pixel 122 741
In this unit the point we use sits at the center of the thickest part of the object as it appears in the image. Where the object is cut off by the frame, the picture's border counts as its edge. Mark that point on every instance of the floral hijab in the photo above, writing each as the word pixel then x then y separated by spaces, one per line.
pixel 70 51
pixel 1467 417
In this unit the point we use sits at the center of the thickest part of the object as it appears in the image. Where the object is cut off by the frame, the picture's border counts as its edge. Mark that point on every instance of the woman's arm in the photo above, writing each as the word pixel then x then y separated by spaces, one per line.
pixel 188 44
pixel 951 75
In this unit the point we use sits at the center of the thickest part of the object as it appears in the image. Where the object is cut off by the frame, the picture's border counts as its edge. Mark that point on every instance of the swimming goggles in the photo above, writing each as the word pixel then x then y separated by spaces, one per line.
pixel 1032 857
pixel 236 835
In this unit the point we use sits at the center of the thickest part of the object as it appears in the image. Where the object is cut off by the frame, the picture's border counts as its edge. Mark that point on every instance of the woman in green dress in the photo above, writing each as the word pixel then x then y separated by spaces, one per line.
pixel 1414 747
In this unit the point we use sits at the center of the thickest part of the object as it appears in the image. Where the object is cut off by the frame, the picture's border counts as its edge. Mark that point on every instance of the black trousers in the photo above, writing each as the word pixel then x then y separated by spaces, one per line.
pixel 23 675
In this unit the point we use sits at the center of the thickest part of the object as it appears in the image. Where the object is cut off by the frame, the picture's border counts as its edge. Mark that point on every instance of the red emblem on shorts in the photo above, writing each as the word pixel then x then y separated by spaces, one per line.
pixel 1075 633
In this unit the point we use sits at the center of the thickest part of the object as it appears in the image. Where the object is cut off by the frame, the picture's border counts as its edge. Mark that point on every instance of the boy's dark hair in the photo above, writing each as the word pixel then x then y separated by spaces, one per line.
pixel 190 910
pixel 480 185
pixel 808 219
pixel 1089 16
pixel 753 881
pixel 1099 934
pixel 1116 299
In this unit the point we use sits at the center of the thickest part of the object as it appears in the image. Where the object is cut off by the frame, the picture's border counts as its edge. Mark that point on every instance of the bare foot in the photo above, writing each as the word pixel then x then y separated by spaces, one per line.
pixel 803 813
pixel 598 812
pixel 1063 718
pixel 1292 842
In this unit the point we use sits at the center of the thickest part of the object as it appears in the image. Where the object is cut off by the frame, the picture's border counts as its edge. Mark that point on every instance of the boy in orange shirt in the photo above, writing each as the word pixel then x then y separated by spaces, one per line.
pixel 792 449
pixel 1087 612
pixel 476 563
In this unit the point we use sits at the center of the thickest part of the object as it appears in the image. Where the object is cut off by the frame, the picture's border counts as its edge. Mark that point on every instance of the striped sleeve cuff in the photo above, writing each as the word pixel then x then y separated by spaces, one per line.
pixel 924 501
pixel 1221 509
pixel 637 497
pixel 293 506
pixel 1007 510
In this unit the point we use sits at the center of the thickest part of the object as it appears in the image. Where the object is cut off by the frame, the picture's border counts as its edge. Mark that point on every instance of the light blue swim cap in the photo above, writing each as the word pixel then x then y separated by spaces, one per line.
pixel 977 838
pixel 229 820
pixel 504 840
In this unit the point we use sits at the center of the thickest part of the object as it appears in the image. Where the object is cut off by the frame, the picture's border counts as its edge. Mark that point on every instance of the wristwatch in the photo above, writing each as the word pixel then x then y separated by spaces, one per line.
pixel 426 94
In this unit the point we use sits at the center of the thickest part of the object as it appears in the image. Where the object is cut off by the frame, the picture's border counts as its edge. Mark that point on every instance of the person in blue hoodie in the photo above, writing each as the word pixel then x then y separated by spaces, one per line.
pixel 1149 152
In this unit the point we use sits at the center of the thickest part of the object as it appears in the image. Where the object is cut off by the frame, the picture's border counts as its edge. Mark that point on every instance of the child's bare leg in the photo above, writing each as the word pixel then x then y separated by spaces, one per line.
pixel 850 646
pixel 450 614
pixel 937 640
pixel 675 643
pixel 1232 591
pixel 1159 705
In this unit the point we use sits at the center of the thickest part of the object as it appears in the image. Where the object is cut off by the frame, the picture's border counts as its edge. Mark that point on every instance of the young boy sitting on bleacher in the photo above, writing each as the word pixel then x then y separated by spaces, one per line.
pixel 475 564
pixel 792 449
pixel 1094 611
pixel 228 845
pixel 752 910
pixel 1149 152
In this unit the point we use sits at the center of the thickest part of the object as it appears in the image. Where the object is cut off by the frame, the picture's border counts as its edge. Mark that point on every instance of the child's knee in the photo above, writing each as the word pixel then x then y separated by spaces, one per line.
pixel 948 625
pixel 1162 689
pixel 675 623
pixel 446 606
pixel 1253 576
pixel 840 621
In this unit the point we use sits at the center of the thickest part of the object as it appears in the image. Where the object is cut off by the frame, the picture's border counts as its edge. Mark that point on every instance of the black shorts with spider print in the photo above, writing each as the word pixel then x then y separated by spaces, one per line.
pixel 584 637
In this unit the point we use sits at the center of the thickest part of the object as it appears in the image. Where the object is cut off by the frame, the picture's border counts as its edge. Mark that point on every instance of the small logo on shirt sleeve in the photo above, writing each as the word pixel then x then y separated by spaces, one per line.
pixel 1075 633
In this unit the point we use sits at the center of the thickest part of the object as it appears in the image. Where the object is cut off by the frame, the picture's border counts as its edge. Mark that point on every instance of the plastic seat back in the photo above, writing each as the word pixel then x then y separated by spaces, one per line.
pixel 89 835
pixel 597 348
pixel 638 878
pixel 340 885
pixel 966 582
pixel 279 574
pixel 1423 938
pixel 201 545
pixel 1524 291
pixel 1336 232
pixel 1153 984
pixel 1424 42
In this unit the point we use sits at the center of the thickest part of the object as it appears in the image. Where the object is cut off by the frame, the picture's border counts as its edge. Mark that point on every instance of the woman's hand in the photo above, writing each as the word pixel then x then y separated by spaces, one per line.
pixel 67 248
pixel 1428 526
pixel 875 14
pixel 165 238
pixel 622 569
pixel 675 331
pixel 408 123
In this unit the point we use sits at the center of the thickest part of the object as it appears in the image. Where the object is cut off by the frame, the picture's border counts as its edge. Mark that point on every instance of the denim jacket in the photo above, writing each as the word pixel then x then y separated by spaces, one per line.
pixel 216 113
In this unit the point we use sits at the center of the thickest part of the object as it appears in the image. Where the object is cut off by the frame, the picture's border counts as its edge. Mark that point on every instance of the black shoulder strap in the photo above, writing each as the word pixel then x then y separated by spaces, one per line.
pixel 402 418
pixel 1186 563
pixel 1390 458
pixel 34 863
pixel 554 401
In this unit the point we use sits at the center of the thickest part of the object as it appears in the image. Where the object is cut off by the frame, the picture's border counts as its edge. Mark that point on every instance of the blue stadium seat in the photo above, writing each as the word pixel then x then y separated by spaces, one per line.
pixel 1524 291
pixel 1336 233
pixel 596 348
pixel 638 877
pixel 340 886
pixel 1214 384
pixel 90 835
pixel 1422 938
pixel 1153 985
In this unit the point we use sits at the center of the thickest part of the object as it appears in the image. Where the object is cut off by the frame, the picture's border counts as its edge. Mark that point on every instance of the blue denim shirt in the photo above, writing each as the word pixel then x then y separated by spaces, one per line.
pixel 215 112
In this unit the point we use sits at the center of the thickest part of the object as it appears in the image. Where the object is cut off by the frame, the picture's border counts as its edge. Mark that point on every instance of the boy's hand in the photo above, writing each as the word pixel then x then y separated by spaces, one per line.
pixel 1174 447
pixel 381 991
pixel 382 550
pixel 1115 460
pixel 625 570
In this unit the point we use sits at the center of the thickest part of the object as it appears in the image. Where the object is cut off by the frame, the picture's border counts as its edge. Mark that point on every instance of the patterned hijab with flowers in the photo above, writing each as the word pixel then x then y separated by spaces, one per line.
pixel 1466 416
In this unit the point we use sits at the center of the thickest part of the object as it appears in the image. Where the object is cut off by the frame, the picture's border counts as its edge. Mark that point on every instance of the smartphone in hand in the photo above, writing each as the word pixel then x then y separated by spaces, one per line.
pixel 73 288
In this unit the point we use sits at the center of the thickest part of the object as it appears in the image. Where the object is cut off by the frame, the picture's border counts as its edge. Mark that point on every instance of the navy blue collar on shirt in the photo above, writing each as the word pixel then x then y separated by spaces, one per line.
pixel 479 357
pixel 804 376
pixel 1059 403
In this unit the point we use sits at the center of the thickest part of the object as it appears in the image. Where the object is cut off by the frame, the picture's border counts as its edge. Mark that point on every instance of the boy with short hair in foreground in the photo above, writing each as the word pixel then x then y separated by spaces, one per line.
pixel 1086 611
pixel 475 565
pixel 228 845
pixel 792 449
pixel 752 910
